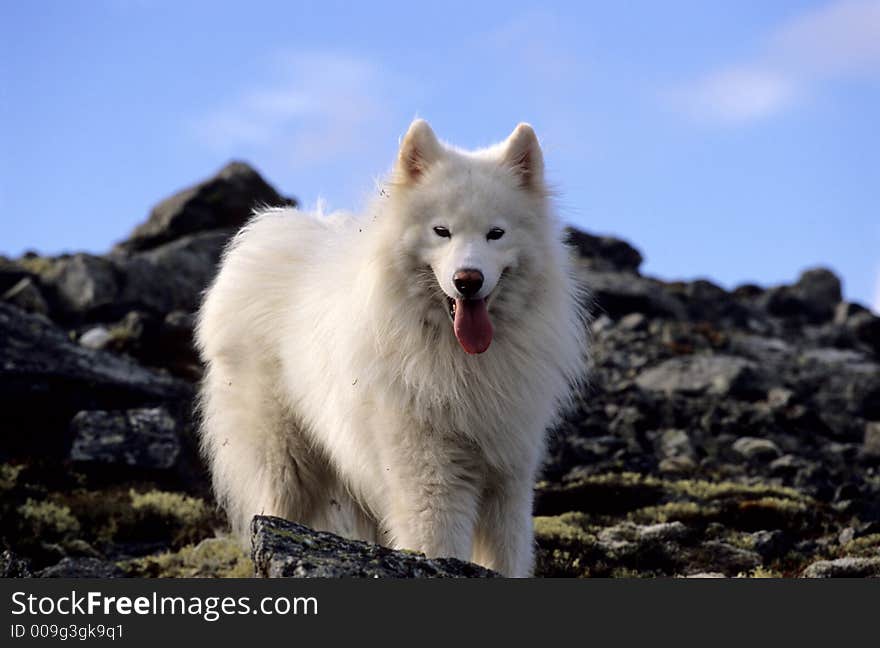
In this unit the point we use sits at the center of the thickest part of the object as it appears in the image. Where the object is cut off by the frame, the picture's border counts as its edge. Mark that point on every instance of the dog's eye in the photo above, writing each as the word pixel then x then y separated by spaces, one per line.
pixel 494 234
pixel 442 231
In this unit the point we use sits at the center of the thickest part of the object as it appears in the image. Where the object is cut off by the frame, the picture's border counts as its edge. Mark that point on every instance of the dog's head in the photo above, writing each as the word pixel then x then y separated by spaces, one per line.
pixel 474 219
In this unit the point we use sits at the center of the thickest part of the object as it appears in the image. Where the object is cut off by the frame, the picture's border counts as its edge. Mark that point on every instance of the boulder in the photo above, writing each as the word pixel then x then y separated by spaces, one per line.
pixel 81 568
pixel 283 549
pixel 79 284
pixel 847 567
pixel 814 297
pixel 711 374
pixel 617 294
pixel 45 379
pixel 604 253
pixel 820 290
pixel 146 439
pixel 756 449
pixel 225 201
pixel 866 328
pixel 27 296
pixel 171 276
pixel 11 273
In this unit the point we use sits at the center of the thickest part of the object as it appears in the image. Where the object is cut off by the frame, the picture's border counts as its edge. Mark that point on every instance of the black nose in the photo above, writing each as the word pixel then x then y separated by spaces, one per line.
pixel 468 282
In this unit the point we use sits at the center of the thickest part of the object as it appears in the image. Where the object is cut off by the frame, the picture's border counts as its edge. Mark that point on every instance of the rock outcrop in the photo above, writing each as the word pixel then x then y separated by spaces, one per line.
pixel 283 549
pixel 722 433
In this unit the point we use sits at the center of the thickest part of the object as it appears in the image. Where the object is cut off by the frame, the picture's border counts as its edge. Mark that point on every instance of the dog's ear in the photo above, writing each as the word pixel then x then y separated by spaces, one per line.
pixel 418 151
pixel 523 155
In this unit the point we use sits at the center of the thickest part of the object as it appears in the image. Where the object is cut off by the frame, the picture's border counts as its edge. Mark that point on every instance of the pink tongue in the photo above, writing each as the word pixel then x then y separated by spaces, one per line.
pixel 472 326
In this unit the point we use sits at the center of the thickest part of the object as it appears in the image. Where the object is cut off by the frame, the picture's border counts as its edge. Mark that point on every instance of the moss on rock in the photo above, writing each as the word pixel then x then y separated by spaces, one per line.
pixel 48 521
pixel 219 557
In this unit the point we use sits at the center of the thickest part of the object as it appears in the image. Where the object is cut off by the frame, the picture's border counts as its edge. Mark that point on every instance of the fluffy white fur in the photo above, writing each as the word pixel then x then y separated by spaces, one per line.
pixel 336 393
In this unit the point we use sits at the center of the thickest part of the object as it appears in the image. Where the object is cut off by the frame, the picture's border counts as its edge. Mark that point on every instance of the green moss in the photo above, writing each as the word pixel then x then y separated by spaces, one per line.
pixel 568 527
pixel 565 545
pixel 175 505
pixel 706 490
pixel 626 572
pixel 47 520
pixel 211 558
pixel 686 512
pixel 740 540
pixel 762 572
pixel 183 518
pixel 123 515
pixel 286 533
pixel 9 477
pixel 785 506
pixel 37 265
pixel 866 546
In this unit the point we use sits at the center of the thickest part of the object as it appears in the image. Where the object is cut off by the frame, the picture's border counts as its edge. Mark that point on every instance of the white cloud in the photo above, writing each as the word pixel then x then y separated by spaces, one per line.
pixel 321 106
pixel 738 94
pixel 839 40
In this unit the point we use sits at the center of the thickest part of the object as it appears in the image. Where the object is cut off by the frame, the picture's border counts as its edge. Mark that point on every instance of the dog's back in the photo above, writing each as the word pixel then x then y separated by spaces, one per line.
pixel 273 274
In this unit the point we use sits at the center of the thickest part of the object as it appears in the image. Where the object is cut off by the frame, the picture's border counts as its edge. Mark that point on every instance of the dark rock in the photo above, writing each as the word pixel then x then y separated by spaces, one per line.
pixel 787 466
pixel 781 301
pixel 756 449
pixel 604 253
pixel 748 291
pixel 676 443
pixel 175 346
pixel 705 374
pixel 770 544
pixel 845 310
pixel 11 273
pixel 848 567
pixel 82 568
pixel 820 290
pixel 813 298
pixel 12 566
pixel 283 549
pixel 761 348
pixel 82 284
pixel 138 438
pixel 45 378
pixel 866 328
pixel 171 276
pixel 617 294
pixel 729 559
pixel 165 278
pixel 706 301
pixel 225 201
pixel 26 295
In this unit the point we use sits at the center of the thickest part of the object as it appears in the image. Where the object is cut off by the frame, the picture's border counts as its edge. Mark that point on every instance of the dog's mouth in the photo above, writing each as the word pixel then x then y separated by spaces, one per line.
pixel 471 322
pixel 450 303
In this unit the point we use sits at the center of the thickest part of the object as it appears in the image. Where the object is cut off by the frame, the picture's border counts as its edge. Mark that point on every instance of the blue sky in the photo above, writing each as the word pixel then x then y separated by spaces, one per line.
pixel 737 141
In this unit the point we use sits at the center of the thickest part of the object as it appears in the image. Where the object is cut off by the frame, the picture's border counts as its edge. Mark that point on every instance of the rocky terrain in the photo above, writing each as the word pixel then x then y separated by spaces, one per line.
pixel 722 433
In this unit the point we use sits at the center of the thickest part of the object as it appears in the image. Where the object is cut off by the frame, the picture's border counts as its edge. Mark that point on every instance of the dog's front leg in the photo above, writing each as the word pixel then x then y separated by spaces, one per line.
pixel 433 495
pixel 505 536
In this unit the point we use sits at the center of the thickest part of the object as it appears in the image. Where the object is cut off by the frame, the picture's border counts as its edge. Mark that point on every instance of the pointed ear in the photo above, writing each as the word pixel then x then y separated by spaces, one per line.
pixel 523 155
pixel 418 151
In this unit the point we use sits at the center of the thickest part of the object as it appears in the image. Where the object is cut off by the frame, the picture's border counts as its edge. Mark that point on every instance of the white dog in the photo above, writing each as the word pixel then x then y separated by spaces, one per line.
pixel 392 377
